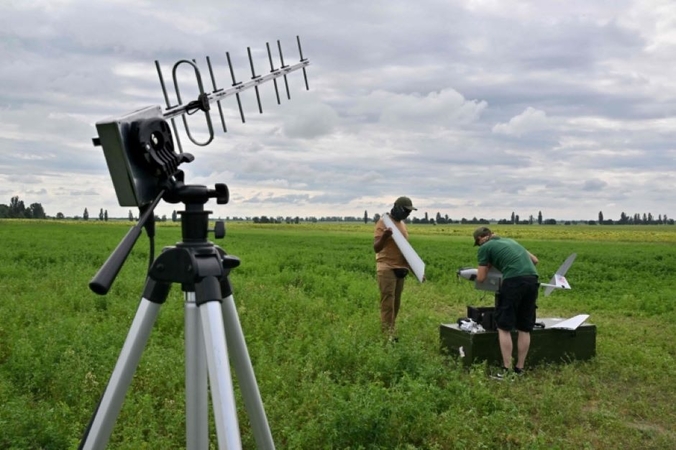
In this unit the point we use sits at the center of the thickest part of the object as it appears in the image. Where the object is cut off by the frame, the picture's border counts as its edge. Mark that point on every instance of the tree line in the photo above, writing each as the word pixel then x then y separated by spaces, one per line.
pixel 18 210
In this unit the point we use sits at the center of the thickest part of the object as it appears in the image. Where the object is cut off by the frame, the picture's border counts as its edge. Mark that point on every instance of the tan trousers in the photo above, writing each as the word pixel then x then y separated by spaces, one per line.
pixel 391 288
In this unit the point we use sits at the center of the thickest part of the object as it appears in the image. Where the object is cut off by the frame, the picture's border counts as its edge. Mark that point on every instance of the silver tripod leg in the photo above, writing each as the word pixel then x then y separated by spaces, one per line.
pixel 245 376
pixel 220 380
pixel 113 397
pixel 196 392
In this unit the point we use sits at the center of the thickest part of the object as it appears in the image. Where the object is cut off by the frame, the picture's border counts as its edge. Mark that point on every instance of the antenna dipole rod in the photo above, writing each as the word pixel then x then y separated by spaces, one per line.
pixel 254 77
pixel 213 83
pixel 236 85
pixel 300 52
pixel 273 70
pixel 281 58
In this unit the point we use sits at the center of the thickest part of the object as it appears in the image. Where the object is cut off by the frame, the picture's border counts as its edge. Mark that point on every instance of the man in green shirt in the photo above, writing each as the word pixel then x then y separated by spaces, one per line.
pixel 517 295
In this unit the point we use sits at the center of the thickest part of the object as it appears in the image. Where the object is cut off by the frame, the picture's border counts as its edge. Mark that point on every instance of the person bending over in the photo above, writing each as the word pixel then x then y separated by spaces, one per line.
pixel 517 294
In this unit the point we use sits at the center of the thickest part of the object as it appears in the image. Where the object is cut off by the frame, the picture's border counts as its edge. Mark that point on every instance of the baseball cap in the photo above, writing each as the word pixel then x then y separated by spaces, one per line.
pixel 480 232
pixel 405 203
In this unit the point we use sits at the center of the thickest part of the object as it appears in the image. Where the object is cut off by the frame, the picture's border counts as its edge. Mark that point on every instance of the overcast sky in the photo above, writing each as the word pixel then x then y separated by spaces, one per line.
pixel 475 108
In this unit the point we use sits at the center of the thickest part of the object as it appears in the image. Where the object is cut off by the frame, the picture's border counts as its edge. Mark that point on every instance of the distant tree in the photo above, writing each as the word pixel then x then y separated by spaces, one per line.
pixel 600 217
pixel 296 220
pixel 539 217
pixel 174 216
pixel 516 219
pixel 36 211
pixel 17 209
pixel 366 217
pixel 101 215
pixel 105 215
pixel 85 215
pixel 131 216
pixel 376 217
pixel 513 217
pixel 4 211
pixel 59 216
pixel 530 220
pixel 550 222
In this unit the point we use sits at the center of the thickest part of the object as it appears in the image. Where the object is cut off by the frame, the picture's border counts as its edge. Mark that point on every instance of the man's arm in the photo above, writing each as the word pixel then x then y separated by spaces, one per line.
pixel 533 258
pixel 482 273
pixel 380 241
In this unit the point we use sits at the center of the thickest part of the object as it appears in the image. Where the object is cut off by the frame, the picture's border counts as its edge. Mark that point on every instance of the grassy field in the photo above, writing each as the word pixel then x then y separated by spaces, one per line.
pixel 308 302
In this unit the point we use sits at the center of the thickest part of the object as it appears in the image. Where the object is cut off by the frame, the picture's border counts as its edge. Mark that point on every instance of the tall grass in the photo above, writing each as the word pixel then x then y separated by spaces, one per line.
pixel 307 299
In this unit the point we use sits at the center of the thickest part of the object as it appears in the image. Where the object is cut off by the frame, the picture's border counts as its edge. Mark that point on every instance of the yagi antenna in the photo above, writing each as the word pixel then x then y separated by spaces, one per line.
pixel 217 95
pixel 139 146
pixel 144 166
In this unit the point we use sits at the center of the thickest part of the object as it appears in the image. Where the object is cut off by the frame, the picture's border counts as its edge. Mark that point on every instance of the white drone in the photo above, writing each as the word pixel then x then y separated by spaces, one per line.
pixel 494 278
pixel 558 281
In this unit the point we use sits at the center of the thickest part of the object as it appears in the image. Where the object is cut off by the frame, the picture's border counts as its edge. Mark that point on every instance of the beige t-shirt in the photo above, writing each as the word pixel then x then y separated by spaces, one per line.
pixel 390 257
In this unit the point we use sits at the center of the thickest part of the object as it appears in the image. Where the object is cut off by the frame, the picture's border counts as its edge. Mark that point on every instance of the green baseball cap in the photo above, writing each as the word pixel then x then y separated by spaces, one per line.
pixel 405 203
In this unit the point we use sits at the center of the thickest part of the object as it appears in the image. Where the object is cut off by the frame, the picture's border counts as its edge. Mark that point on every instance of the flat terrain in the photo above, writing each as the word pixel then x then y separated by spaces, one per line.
pixel 308 303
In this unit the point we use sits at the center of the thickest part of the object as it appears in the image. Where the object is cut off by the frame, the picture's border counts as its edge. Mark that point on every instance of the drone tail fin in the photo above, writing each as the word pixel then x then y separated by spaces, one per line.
pixel 559 281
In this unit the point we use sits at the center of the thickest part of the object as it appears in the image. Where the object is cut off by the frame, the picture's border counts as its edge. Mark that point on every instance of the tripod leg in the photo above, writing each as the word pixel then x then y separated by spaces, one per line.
pixel 245 376
pixel 196 392
pixel 208 293
pixel 101 425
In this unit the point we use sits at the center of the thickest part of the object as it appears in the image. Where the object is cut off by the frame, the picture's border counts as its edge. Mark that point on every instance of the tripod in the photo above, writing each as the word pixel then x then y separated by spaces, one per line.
pixel 212 328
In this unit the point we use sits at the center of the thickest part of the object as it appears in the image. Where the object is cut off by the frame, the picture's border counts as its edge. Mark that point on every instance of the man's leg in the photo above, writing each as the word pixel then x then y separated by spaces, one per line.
pixel 526 319
pixel 397 298
pixel 387 282
pixel 523 344
pixel 505 320
pixel 506 348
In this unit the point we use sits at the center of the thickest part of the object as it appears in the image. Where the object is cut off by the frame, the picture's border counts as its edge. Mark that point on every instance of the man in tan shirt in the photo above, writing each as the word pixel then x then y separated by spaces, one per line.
pixel 391 266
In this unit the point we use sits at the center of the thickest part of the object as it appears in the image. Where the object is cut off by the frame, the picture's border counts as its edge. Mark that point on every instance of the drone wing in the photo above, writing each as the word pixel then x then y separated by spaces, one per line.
pixel 572 323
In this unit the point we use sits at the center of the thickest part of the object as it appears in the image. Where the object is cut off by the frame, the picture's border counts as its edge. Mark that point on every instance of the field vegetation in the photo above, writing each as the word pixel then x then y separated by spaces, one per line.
pixel 308 303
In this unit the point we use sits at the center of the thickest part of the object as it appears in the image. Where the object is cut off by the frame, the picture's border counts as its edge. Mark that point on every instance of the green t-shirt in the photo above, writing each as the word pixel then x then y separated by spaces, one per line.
pixel 508 256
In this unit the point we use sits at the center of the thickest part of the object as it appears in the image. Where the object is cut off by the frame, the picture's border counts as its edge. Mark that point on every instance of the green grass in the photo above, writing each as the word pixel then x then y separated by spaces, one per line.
pixel 307 299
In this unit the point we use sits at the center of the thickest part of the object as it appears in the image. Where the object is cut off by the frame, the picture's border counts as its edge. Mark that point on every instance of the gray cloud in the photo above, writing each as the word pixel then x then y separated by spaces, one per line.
pixel 473 108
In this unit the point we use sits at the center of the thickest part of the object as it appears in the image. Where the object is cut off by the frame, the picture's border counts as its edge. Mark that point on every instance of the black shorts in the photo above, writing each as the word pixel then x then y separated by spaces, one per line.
pixel 516 303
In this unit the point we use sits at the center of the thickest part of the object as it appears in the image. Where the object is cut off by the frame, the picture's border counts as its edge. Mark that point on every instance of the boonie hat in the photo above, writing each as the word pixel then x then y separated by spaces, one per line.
pixel 405 203
pixel 480 232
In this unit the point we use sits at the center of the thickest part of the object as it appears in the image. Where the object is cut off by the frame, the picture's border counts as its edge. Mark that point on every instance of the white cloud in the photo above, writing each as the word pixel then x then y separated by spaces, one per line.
pixel 529 121
pixel 446 108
